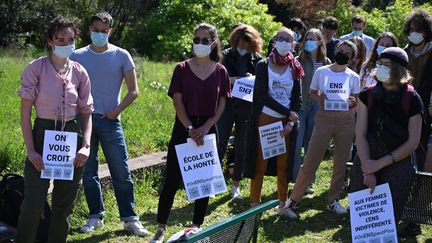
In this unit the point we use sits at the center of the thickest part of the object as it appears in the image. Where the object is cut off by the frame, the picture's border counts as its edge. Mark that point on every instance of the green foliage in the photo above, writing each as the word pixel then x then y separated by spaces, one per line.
pixel 391 18
pixel 168 31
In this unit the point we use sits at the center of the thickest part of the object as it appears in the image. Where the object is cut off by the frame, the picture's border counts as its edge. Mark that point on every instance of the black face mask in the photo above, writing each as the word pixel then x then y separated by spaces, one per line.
pixel 341 58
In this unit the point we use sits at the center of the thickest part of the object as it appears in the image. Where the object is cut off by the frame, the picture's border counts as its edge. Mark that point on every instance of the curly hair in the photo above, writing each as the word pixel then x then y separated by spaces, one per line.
pixel 422 20
pixel 247 34
pixel 58 24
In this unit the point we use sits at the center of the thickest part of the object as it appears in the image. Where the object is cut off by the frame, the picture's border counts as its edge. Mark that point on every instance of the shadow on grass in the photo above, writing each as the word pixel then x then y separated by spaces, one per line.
pixel 184 215
pixel 98 238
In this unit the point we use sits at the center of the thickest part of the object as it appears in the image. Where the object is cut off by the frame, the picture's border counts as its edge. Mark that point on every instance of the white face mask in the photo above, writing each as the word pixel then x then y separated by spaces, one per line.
pixel 242 51
pixel 283 47
pixel 383 74
pixel 415 38
pixel 201 50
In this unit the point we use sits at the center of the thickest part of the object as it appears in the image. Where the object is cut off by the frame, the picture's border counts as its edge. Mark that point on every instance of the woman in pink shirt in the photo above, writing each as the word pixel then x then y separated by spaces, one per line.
pixel 59 89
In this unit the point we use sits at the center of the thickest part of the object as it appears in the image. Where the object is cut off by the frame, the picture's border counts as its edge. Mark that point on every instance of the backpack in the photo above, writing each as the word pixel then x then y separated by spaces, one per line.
pixel 11 197
pixel 405 98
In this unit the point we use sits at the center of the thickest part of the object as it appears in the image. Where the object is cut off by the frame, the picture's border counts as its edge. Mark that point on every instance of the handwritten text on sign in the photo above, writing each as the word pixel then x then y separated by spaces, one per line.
pixel 372 218
pixel 200 168
pixel 272 143
pixel 59 153
pixel 243 88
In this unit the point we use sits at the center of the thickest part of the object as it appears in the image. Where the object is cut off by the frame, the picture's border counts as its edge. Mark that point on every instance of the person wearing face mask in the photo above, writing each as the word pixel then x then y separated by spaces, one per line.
pixel 384 40
pixel 418 30
pixel 199 88
pixel 391 101
pixel 59 89
pixel 312 56
pixel 298 27
pixel 335 87
pixel 107 66
pixel 277 97
pixel 240 61
pixel 358 24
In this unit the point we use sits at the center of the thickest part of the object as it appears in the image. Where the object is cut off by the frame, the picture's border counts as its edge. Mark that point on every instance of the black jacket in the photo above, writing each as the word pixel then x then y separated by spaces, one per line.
pixel 262 98
pixel 229 60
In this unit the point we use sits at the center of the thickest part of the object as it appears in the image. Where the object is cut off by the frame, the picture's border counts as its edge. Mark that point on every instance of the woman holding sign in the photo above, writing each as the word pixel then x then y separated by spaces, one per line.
pixel 240 61
pixel 335 87
pixel 277 99
pixel 59 89
pixel 199 88
pixel 384 154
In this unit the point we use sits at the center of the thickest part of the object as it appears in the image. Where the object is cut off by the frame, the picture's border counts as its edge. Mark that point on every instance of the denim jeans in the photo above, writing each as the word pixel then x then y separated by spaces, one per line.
pixel 307 123
pixel 110 135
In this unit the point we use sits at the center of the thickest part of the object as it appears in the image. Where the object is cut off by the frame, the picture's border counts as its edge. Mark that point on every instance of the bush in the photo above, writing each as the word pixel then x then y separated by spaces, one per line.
pixel 168 31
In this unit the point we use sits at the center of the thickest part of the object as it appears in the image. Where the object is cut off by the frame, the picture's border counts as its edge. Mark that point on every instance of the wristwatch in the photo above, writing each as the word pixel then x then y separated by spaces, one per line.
pixel 291 123
pixel 86 146
pixel 190 126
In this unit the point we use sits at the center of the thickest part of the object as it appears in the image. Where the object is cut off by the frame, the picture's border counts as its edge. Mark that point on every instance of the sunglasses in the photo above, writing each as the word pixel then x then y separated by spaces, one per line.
pixel 204 41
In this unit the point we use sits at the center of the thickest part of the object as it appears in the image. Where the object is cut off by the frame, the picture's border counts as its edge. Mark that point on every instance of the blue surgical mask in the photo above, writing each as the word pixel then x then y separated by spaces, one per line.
pixel 297 37
pixel 380 49
pixel 63 52
pixel 310 46
pixel 99 39
pixel 357 33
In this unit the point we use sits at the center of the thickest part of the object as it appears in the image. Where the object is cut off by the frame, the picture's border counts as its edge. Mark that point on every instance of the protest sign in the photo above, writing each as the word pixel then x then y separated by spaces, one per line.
pixel 200 168
pixel 337 91
pixel 372 218
pixel 272 143
pixel 59 153
pixel 243 88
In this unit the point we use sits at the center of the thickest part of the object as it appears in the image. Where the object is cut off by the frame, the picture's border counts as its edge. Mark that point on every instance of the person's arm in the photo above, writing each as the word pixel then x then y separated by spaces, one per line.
pixel 403 151
pixel 84 152
pixel 26 111
pixel 361 128
pixel 132 94
pixel 181 109
pixel 197 134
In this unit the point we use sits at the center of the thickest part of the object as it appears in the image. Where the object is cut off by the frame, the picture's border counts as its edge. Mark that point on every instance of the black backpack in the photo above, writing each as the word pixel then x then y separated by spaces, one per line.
pixel 11 197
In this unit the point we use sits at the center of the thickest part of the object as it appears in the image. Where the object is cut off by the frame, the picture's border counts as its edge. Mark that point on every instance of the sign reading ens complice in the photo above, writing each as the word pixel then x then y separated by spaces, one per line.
pixel 200 168
pixel 59 153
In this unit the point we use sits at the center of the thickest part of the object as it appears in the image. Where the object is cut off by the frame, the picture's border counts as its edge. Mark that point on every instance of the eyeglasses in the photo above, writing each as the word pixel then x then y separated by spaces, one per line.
pixel 204 41
pixel 386 64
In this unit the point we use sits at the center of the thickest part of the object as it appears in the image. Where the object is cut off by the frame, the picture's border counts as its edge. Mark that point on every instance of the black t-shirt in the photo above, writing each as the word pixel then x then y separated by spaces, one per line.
pixel 394 110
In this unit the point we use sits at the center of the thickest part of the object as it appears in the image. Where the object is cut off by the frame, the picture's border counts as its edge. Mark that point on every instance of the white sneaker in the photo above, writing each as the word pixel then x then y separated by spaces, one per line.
pixel 92 224
pixel 235 193
pixel 337 208
pixel 136 228
pixel 309 190
pixel 159 236
pixel 287 212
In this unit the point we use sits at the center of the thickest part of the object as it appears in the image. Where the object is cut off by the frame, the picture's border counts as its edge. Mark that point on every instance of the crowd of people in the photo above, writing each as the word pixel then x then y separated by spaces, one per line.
pixel 355 88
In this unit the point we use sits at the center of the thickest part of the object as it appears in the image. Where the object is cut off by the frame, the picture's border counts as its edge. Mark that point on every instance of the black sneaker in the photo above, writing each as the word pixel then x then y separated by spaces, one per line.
pixel 410 230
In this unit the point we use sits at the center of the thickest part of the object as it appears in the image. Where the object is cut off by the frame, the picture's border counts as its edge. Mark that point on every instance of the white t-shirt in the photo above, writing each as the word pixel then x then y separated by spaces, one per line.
pixel 280 87
pixel 336 85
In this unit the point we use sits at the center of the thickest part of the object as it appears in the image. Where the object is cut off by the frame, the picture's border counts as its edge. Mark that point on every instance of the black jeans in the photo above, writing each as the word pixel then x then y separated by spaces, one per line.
pixel 36 189
pixel 173 176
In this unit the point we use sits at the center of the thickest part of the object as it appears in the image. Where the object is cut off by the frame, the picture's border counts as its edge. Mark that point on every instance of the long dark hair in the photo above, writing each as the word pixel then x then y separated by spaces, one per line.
pixel 215 53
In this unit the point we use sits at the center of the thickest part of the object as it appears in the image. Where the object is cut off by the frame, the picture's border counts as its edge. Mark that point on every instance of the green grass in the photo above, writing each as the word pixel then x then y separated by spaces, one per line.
pixel 147 122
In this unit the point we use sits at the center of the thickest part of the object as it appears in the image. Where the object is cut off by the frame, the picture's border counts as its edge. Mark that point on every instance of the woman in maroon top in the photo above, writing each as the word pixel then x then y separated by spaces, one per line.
pixel 199 88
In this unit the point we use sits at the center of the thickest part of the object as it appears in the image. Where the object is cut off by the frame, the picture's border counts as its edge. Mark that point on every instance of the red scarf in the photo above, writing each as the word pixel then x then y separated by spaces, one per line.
pixel 296 68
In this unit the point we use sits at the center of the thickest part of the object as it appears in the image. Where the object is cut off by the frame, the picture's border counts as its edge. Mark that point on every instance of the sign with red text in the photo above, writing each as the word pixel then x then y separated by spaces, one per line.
pixel 200 168
pixel 243 88
pixel 372 218
pixel 272 143
pixel 59 152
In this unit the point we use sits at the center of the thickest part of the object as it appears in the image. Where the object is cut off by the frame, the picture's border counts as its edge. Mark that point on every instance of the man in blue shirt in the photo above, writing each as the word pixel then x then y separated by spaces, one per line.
pixel 107 66
pixel 358 24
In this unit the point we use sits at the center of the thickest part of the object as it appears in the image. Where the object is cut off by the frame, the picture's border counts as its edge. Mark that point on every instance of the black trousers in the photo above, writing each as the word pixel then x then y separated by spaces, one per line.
pixel 173 176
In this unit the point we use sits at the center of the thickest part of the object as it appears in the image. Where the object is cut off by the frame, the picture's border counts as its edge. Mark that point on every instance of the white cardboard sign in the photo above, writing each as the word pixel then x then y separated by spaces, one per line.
pixel 243 88
pixel 200 168
pixel 372 218
pixel 337 90
pixel 272 143
pixel 59 152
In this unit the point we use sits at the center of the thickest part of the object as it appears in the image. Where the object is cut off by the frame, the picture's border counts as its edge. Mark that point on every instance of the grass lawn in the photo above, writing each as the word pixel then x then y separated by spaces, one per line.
pixel 147 125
